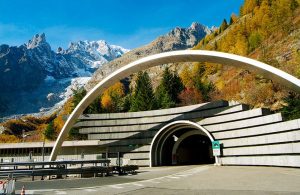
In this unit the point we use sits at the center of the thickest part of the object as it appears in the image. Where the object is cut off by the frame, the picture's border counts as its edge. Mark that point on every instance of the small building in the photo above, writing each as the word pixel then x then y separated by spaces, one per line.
pixel 33 151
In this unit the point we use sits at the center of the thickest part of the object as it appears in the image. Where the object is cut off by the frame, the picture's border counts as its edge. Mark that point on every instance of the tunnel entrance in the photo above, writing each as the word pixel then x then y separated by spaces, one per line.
pixel 186 147
pixel 195 149
pixel 181 143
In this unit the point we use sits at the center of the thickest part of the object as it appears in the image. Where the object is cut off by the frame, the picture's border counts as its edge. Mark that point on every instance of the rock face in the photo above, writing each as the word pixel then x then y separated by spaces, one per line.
pixel 34 77
pixel 176 39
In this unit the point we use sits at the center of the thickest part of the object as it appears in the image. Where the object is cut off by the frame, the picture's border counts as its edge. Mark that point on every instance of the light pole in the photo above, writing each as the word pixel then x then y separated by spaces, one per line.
pixel 43 150
pixel 43 155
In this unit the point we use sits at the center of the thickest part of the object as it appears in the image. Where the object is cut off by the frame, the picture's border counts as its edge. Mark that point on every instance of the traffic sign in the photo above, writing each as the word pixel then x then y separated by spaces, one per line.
pixel 216 148
pixel 216 144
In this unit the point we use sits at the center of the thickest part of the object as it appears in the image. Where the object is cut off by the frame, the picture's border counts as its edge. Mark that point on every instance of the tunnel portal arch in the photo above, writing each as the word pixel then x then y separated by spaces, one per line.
pixel 164 153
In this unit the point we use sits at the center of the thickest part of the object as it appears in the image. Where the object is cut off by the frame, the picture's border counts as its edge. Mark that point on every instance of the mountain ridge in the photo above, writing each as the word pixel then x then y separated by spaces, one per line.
pixel 177 39
pixel 34 69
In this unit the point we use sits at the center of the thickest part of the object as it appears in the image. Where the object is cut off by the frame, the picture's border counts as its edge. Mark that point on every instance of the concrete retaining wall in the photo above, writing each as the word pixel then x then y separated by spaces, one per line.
pixel 248 137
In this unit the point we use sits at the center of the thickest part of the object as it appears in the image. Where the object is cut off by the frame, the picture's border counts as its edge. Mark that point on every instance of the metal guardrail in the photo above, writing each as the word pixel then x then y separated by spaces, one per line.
pixel 71 162
pixel 57 168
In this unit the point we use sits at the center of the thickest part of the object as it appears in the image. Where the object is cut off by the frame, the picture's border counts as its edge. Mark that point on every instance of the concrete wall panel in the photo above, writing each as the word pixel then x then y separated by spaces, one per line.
pixel 263 139
pixel 262 129
pixel 288 148
pixel 283 160
pixel 273 118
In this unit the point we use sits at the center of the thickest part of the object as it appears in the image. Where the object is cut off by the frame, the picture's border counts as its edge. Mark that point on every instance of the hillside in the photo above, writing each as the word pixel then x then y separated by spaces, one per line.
pixel 266 31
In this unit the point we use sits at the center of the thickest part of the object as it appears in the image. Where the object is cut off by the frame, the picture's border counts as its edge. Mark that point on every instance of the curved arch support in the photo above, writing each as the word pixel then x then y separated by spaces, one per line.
pixel 170 57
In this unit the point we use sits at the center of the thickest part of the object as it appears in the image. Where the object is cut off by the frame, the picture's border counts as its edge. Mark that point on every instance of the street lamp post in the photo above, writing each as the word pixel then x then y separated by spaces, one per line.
pixel 43 155
pixel 43 150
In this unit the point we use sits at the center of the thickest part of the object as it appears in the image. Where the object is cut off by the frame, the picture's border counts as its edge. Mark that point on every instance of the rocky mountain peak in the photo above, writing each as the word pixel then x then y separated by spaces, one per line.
pixel 37 40
pixel 188 37
pixel 94 53
pixel 195 26
pixel 60 50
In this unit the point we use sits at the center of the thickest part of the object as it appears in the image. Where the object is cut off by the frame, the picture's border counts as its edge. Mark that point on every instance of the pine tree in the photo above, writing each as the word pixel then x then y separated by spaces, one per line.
pixel 223 26
pixel 49 133
pixel 78 96
pixel 294 4
pixel 127 102
pixel 94 107
pixel 168 90
pixel 205 89
pixel 143 97
pixel 163 98
pixel 292 110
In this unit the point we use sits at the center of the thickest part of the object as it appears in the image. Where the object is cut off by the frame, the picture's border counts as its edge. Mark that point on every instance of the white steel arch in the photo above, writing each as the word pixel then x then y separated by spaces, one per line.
pixel 170 57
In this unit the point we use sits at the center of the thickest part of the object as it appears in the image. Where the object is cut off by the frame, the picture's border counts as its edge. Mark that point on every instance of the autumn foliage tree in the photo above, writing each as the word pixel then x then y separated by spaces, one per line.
pixel 4 138
pixel 190 96
pixel 112 98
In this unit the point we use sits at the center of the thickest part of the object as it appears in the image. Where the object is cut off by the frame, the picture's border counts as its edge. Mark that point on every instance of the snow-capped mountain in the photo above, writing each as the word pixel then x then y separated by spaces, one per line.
pixel 54 65
pixel 94 53
pixel 33 77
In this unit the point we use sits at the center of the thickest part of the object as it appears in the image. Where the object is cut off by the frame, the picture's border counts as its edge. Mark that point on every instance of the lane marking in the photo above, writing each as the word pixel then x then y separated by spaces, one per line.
pixel 138 184
pixel 116 186
pixel 172 177
pixel 60 192
pixel 152 181
pixel 186 175
pixel 90 190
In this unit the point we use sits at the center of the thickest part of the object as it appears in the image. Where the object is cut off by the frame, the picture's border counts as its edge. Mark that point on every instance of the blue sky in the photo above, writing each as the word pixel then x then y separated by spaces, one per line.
pixel 129 23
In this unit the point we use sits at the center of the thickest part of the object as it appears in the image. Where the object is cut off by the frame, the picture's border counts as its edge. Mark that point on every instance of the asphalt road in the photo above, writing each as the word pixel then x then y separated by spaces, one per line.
pixel 202 179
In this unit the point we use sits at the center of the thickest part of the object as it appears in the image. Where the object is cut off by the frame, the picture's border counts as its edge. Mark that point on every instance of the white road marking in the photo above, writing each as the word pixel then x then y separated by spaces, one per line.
pixel 116 186
pixel 172 177
pixel 152 181
pixel 137 184
pixel 183 175
pixel 90 190
pixel 60 192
